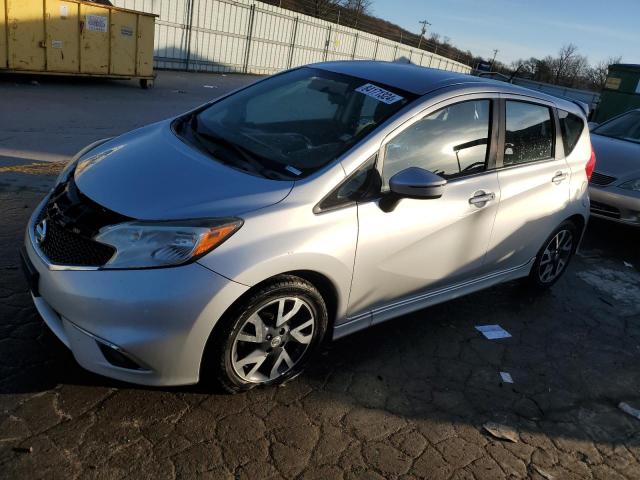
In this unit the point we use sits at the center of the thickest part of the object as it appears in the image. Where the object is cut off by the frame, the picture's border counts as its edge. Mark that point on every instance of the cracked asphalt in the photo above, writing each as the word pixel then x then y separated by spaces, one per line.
pixel 407 399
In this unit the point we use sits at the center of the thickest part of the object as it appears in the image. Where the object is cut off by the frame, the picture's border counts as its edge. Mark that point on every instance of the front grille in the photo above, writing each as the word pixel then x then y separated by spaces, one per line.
pixel 604 210
pixel 64 247
pixel 601 179
pixel 72 221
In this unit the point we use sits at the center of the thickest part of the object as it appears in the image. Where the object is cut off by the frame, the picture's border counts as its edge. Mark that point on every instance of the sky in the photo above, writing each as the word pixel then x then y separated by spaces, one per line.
pixel 526 28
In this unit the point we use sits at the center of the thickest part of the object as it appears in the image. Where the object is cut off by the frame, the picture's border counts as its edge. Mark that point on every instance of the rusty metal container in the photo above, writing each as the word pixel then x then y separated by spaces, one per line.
pixel 73 37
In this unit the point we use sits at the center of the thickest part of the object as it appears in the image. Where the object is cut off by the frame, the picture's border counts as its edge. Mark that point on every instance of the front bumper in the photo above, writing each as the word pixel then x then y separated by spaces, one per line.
pixel 616 204
pixel 160 318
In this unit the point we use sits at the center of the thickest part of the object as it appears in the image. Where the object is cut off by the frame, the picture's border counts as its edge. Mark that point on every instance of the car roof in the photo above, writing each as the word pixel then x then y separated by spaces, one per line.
pixel 422 80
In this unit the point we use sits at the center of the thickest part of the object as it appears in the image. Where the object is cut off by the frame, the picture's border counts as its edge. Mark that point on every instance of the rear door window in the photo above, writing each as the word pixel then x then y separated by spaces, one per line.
pixel 529 133
pixel 571 126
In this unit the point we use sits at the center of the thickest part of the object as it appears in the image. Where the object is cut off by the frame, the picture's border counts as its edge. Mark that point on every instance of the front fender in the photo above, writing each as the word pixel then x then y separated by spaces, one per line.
pixel 284 239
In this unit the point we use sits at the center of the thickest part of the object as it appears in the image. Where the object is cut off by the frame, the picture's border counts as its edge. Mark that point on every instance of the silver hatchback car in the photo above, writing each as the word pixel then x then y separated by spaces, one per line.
pixel 226 244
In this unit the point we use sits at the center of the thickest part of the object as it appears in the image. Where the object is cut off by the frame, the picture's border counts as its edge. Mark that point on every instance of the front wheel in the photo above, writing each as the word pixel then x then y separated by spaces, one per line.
pixel 269 337
pixel 554 256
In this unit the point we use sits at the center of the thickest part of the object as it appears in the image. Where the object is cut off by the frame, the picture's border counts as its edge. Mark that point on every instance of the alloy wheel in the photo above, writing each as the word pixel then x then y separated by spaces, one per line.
pixel 555 256
pixel 273 339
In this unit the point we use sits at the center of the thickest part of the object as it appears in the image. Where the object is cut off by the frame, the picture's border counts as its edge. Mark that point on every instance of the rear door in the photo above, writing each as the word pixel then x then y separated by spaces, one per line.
pixel 534 181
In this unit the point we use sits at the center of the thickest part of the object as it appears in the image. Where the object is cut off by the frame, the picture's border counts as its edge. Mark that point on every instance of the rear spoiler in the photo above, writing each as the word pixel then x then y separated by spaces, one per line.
pixel 583 106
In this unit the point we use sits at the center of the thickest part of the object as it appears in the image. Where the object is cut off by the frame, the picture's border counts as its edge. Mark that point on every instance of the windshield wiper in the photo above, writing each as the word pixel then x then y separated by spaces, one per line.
pixel 252 161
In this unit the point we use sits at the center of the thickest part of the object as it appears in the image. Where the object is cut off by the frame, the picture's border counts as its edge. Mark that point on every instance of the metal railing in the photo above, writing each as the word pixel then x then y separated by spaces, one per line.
pixel 245 36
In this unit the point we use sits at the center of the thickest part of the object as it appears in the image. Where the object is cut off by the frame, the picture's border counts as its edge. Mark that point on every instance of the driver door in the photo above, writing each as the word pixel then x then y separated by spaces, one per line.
pixel 424 245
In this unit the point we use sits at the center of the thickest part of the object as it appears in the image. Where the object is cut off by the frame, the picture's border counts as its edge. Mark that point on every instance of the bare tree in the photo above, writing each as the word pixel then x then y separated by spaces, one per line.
pixel 359 8
pixel 321 8
pixel 526 67
pixel 597 75
pixel 576 70
pixel 565 58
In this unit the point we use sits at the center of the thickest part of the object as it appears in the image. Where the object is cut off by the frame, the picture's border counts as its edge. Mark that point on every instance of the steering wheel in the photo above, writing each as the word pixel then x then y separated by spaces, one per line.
pixel 473 165
pixel 307 141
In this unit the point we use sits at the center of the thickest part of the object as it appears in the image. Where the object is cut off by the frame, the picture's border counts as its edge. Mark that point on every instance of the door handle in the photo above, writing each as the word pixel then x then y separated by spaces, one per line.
pixel 481 198
pixel 559 177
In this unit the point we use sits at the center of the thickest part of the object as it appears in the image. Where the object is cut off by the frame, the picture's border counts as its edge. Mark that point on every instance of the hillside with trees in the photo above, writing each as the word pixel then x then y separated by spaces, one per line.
pixel 568 68
pixel 358 14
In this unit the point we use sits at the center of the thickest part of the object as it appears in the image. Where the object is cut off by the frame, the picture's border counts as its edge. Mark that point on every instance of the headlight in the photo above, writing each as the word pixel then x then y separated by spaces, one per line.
pixel 70 167
pixel 632 185
pixel 161 244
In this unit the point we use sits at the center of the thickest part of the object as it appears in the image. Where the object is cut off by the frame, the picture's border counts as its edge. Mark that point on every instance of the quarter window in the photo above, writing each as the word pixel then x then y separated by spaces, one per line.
pixel 529 133
pixel 571 126
pixel 450 142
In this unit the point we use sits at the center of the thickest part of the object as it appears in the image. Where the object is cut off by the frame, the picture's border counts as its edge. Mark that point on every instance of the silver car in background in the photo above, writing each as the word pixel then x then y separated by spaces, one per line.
pixel 226 244
pixel 615 186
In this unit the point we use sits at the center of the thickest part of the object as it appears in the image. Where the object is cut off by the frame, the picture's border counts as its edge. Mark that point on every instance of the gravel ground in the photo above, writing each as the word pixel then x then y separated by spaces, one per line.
pixel 407 399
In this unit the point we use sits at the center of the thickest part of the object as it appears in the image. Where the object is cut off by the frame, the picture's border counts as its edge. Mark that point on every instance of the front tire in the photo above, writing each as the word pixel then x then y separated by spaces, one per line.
pixel 269 337
pixel 554 256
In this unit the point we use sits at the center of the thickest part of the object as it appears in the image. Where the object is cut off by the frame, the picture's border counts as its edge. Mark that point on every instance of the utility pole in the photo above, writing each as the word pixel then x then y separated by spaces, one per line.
pixel 495 52
pixel 424 24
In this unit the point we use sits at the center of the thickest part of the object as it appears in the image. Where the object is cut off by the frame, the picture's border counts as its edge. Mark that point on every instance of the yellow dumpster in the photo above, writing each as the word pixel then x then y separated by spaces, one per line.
pixel 74 37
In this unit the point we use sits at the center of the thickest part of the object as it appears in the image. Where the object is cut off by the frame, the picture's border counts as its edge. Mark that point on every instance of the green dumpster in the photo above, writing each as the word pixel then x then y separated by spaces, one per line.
pixel 621 91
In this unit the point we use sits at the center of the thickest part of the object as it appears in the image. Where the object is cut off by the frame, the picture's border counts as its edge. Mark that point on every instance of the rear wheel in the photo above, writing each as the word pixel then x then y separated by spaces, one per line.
pixel 269 338
pixel 554 257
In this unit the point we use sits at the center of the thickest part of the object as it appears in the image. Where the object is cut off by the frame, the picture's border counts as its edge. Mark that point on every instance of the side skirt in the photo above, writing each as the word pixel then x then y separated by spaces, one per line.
pixel 417 302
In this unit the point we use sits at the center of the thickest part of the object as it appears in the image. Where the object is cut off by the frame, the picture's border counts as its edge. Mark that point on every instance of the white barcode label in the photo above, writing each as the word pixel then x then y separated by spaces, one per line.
pixel 380 94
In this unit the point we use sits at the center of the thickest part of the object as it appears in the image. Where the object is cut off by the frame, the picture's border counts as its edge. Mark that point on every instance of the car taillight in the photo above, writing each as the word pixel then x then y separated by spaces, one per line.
pixel 591 165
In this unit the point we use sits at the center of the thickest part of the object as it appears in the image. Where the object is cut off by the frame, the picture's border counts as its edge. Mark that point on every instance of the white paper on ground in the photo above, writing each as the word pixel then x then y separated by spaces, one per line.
pixel 626 408
pixel 493 332
pixel 506 377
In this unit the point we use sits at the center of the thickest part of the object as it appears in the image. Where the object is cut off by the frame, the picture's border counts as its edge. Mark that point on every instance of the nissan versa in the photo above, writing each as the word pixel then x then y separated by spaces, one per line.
pixel 226 244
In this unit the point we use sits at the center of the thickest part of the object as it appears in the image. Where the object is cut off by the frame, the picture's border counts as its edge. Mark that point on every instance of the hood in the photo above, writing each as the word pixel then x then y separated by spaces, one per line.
pixel 617 158
pixel 150 174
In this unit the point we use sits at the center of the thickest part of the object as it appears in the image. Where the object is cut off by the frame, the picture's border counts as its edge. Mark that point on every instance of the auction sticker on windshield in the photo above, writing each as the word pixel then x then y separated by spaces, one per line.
pixel 379 94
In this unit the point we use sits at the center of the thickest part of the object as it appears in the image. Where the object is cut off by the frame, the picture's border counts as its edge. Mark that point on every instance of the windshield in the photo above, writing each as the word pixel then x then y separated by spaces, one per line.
pixel 293 124
pixel 624 127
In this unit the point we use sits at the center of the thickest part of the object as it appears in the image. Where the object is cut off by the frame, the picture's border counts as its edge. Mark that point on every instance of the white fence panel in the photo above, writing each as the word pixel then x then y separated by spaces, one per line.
pixel 254 37
pixel 310 44
pixel 366 48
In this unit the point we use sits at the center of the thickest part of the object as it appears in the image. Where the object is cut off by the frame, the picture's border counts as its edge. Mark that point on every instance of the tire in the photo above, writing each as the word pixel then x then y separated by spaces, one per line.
pixel 239 358
pixel 551 257
pixel 146 84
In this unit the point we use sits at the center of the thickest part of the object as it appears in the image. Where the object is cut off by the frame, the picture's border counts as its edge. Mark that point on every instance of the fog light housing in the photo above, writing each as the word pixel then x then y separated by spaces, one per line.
pixel 116 357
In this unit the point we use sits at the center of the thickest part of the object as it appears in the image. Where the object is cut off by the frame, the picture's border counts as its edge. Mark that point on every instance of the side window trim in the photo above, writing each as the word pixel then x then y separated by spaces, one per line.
pixel 557 150
pixel 494 130
pixel 371 190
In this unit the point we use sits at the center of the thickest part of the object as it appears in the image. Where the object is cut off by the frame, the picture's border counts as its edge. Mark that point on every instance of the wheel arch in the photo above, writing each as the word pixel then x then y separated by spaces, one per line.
pixel 581 224
pixel 327 288
pixel 578 220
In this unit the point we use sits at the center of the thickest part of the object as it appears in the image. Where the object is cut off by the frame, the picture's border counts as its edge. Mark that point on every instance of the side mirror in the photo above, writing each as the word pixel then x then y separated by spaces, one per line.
pixel 415 182
pixel 592 125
